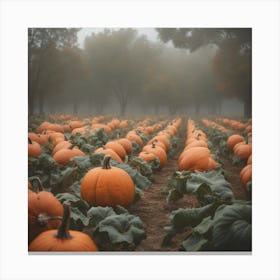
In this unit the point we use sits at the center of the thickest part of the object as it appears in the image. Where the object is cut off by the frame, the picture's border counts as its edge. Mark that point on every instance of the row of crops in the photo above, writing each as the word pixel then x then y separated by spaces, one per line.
pixel 86 173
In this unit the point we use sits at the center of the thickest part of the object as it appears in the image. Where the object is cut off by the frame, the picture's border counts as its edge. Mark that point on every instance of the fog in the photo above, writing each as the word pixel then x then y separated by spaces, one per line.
pixel 135 72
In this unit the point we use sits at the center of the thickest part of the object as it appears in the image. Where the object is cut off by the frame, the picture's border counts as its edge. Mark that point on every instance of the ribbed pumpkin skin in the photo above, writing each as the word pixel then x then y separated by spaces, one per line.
pixel 64 156
pixel 196 143
pixel 131 136
pixel 126 145
pixel 61 145
pixel 147 156
pixel 117 147
pixel 38 203
pixel 196 158
pixel 107 187
pixel 243 151
pixel 249 161
pixel 246 174
pixel 46 241
pixel 161 138
pixel 233 140
pixel 158 151
pixel 109 152
pixel 34 149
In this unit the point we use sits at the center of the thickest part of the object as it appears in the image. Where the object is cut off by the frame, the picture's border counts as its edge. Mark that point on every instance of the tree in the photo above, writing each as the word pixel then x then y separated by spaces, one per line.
pixel 119 61
pixel 232 64
pixel 42 46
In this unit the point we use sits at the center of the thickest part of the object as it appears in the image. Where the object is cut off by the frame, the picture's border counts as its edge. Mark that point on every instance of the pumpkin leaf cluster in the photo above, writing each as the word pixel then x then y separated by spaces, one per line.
pixel 79 209
pixel 144 168
pixel 88 143
pixel 209 185
pixel 53 177
pixel 229 230
pixel 189 217
pixel 113 230
pixel 139 180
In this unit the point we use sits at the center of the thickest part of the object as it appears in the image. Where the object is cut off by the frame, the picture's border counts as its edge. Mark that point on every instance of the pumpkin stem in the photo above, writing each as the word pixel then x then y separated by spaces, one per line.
pixel 63 230
pixel 43 219
pixel 153 144
pixel 39 186
pixel 106 162
pixel 29 141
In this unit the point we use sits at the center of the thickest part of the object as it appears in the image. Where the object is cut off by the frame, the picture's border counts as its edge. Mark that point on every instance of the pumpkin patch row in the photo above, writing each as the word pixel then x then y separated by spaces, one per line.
pixel 196 154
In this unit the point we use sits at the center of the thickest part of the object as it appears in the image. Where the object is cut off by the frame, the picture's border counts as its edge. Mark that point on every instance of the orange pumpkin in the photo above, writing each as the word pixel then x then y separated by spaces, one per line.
pixel 44 211
pixel 243 150
pixel 63 239
pixel 196 158
pixel 107 186
pixel 147 156
pixel 34 148
pixel 117 147
pixel 233 140
pixel 246 174
pixel 132 136
pixel 126 145
pixel 109 152
pixel 158 151
pixel 65 155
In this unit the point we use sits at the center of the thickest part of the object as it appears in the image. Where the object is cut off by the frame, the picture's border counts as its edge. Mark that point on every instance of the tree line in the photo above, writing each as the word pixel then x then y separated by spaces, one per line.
pixel 204 67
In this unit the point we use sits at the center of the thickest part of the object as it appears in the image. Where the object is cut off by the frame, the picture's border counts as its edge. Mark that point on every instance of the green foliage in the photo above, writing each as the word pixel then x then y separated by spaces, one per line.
pixel 115 230
pixel 229 230
pixel 209 185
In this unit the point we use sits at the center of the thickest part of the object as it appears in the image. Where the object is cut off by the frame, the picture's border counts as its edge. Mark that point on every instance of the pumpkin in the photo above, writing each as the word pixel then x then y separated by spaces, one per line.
pixel 147 156
pixel 161 138
pixel 44 211
pixel 75 124
pixel 63 239
pixel 132 136
pixel 246 175
pixel 43 126
pixel 109 152
pixel 249 161
pixel 126 145
pixel 34 148
pixel 243 150
pixel 61 145
pixel 158 151
pixel 55 127
pixel 117 147
pixel 196 143
pixel 233 140
pixel 107 186
pixel 196 158
pixel 65 155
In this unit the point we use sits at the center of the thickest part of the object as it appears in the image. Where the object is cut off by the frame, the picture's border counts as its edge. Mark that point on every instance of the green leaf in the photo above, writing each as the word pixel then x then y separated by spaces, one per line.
pixel 139 180
pixel 211 183
pixel 97 214
pixel 77 219
pixel 141 166
pixel 195 242
pixel 232 227
pixel 173 195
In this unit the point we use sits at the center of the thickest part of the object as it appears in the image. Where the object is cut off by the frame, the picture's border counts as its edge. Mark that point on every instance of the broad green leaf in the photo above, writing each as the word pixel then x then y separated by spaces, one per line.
pixel 97 214
pixel 195 242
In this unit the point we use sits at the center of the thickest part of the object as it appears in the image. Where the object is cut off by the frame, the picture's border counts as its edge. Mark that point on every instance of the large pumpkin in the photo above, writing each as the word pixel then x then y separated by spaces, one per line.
pixel 158 151
pixel 117 147
pixel 107 186
pixel 126 145
pixel 63 239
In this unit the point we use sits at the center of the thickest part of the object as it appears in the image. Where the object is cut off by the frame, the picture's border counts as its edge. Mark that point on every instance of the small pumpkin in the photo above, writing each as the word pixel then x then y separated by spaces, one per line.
pixel 233 140
pixel 126 145
pixel 107 186
pixel 147 156
pixel 243 150
pixel 117 147
pixel 34 148
pixel 44 210
pixel 63 239
pixel 246 175
pixel 158 151
pixel 132 136
pixel 109 152
pixel 64 156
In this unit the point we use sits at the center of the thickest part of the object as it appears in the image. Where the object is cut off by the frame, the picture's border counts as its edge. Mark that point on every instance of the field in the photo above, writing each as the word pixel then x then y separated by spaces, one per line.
pixel 106 183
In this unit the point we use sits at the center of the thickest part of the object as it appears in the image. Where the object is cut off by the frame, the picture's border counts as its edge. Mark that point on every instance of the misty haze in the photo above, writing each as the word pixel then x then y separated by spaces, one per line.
pixel 140 140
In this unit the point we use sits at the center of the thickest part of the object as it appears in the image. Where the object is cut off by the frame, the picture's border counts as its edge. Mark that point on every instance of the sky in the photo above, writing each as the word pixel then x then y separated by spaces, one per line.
pixel 151 33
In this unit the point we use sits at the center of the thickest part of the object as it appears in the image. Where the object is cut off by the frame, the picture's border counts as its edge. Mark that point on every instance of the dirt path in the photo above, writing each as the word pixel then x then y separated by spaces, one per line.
pixel 154 211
